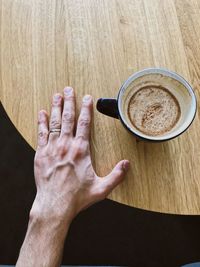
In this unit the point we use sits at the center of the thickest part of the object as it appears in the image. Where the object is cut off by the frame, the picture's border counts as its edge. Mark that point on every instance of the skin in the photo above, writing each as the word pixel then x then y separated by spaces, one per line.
pixel 65 179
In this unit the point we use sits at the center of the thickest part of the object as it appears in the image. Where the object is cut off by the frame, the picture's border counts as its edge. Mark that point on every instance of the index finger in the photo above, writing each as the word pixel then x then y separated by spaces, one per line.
pixel 84 121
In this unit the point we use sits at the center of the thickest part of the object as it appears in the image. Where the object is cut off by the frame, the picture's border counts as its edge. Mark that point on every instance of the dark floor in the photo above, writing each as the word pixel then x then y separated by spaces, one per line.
pixel 107 233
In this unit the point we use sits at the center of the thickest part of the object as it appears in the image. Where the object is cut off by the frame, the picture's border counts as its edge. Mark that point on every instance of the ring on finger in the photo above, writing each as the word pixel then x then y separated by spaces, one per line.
pixel 56 130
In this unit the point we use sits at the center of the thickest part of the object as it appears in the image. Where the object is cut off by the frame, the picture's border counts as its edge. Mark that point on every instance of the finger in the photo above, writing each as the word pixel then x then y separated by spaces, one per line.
pixel 84 121
pixel 55 119
pixel 116 176
pixel 43 131
pixel 68 115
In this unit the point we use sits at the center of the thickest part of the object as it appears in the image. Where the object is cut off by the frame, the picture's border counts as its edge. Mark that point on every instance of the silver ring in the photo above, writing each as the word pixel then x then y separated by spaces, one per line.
pixel 55 130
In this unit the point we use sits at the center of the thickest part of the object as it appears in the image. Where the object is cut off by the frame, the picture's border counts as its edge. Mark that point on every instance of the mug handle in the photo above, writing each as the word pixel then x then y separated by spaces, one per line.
pixel 108 106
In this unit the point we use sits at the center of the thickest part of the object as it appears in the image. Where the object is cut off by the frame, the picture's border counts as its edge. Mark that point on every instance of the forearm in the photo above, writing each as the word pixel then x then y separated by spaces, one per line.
pixel 43 244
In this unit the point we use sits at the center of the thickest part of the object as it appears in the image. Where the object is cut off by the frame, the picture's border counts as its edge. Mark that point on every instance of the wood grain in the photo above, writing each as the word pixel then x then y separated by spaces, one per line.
pixel 94 45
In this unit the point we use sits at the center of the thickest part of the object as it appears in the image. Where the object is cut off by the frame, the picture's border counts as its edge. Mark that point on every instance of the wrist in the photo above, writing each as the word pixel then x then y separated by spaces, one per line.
pixel 48 224
pixel 45 212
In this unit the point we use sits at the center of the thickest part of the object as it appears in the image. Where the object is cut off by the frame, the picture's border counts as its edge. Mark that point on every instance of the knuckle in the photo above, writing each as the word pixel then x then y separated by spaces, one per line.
pixel 84 122
pixel 67 130
pixel 42 134
pixel 54 123
pixel 62 150
pixel 42 116
pixel 82 143
pixel 41 120
pixel 68 117
pixel 78 150
pixel 86 104
pixel 69 97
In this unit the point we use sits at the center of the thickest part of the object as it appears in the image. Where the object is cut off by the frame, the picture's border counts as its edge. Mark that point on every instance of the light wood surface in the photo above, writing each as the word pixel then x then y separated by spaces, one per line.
pixel 94 46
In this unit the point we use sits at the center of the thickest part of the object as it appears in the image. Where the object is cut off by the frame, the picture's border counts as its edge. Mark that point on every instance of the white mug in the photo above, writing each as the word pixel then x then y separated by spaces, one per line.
pixel 173 82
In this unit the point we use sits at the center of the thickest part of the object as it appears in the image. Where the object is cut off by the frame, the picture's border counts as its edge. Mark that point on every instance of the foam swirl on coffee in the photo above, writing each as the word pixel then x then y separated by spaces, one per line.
pixel 153 110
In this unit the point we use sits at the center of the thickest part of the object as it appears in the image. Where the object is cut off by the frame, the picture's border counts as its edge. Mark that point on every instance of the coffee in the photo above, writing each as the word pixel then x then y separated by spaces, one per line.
pixel 153 110
pixel 153 104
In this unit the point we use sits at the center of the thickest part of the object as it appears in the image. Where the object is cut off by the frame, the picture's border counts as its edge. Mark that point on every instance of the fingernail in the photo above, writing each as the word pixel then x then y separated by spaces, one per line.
pixel 87 98
pixel 57 97
pixel 126 165
pixel 68 90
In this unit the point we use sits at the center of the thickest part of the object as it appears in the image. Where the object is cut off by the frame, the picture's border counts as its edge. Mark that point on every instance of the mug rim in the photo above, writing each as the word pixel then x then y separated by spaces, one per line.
pixel 165 72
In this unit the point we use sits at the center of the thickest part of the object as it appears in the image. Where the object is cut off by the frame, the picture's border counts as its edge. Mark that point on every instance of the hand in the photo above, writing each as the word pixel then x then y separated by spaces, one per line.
pixel 65 179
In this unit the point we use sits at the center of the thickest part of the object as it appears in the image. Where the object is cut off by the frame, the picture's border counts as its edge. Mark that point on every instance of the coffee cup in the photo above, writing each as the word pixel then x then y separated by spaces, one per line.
pixel 154 104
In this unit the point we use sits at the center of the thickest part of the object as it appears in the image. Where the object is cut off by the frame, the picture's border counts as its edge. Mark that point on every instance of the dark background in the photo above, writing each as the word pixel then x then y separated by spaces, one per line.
pixel 107 233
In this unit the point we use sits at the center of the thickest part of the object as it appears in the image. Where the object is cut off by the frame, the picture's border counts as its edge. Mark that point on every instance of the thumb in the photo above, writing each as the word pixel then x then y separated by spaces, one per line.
pixel 116 176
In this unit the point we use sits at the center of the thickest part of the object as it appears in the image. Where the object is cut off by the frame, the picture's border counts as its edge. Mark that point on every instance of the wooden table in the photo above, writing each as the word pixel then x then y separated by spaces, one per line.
pixel 94 46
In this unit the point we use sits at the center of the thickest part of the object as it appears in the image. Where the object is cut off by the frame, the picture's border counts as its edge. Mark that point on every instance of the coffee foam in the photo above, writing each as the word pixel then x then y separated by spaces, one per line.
pixel 177 93
pixel 153 110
